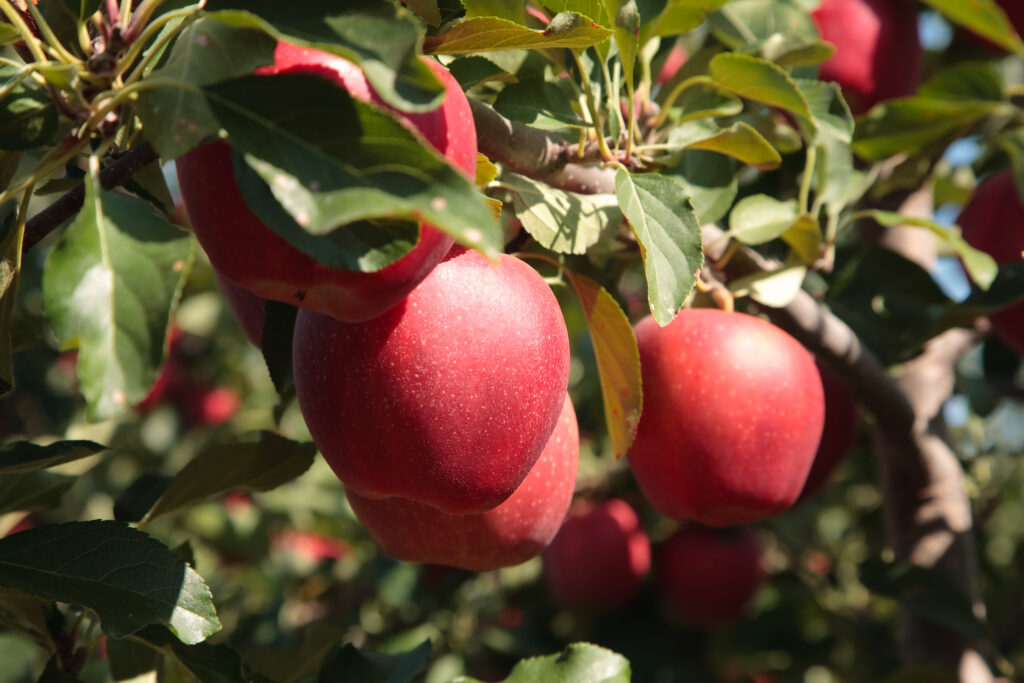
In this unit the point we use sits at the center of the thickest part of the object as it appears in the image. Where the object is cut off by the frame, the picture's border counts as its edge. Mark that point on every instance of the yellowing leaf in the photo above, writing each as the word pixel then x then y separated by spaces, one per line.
pixel 485 34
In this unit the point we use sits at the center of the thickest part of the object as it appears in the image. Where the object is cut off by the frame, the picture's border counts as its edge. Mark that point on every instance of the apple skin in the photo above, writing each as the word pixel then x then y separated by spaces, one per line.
pixel 252 255
pixel 878 51
pixel 509 534
pixel 841 419
pixel 733 414
pixel 709 575
pixel 446 399
pixel 993 221
pixel 249 309
pixel 600 556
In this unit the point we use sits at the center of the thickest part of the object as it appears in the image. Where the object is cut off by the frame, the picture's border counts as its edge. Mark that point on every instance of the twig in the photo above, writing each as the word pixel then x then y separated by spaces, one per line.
pixel 50 218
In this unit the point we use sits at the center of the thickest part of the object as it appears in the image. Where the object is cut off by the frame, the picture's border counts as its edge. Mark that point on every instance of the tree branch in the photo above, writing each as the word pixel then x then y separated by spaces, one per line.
pixel 927 508
pixel 119 172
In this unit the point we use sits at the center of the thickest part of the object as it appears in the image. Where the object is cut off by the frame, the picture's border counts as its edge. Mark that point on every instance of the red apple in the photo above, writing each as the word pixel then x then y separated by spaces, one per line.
pixel 250 254
pixel 878 52
pixel 733 413
pixel 249 309
pixel 446 399
pixel 993 221
pixel 677 56
pixel 600 556
pixel 708 575
pixel 205 405
pixel 506 535
pixel 841 418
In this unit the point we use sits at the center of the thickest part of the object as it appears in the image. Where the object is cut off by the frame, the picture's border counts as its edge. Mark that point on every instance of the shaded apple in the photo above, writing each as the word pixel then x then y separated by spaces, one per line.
pixel 733 414
pixel 709 576
pixel 247 252
pixel 600 556
pixel 841 419
pixel 509 534
pixel 878 51
pixel 993 221
pixel 249 309
pixel 446 399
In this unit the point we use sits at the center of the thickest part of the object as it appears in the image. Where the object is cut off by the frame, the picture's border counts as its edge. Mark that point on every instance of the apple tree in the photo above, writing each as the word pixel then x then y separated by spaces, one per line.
pixel 511 340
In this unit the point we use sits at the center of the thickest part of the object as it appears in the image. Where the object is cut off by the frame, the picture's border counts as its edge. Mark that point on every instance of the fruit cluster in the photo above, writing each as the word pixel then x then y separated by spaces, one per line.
pixel 436 388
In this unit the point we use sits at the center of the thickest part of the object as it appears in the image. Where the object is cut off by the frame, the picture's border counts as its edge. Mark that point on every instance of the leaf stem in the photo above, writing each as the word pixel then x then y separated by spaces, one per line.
pixel 676 92
pixel 62 53
pixel 19 23
pixel 140 42
pixel 805 182
pixel 140 18
pixel 592 106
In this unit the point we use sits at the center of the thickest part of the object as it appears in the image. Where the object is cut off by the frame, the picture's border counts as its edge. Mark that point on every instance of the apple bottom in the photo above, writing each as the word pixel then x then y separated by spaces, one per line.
pixel 509 534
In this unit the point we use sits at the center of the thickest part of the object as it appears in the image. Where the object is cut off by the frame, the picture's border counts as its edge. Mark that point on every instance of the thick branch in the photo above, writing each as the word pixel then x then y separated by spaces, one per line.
pixel 50 218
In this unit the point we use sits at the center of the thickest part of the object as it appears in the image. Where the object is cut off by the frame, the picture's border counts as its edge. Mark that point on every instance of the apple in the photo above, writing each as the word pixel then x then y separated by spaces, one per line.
pixel 993 221
pixel 509 534
pixel 677 56
pixel 600 556
pixel 249 309
pixel 878 52
pixel 207 405
pixel 841 418
pixel 709 576
pixel 252 255
pixel 733 414
pixel 446 399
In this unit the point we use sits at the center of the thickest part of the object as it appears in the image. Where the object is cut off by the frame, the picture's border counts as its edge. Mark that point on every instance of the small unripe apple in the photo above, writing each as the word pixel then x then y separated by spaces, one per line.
pixel 446 399
pixel 600 556
pixel 509 534
pixel 878 52
pixel 247 252
pixel 733 414
pixel 709 576
pixel 993 221
pixel 841 418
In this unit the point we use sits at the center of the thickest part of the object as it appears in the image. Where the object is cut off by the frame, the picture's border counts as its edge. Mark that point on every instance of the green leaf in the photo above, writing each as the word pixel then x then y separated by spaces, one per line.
pixel 484 34
pixel 789 51
pixel 593 9
pixel 618 361
pixel 368 32
pixel 759 80
pixel 173 110
pixel 681 16
pixel 11 239
pixel 132 504
pixel 109 288
pixel 627 35
pixel 1012 143
pixel 427 9
pixel 131 660
pixel 910 124
pixel 804 238
pixel 741 141
pixel 578 663
pixel 828 108
pixel 33 491
pixel 925 592
pixel 775 288
pixel 980 266
pixel 471 71
pixel 8 34
pixel 704 101
pixel 513 10
pixel 984 17
pixel 564 222
pixel 28 117
pixel 710 182
pixel 750 24
pixel 23 456
pixel 348 663
pixel 293 664
pixel 539 104
pixel 968 81
pixel 663 221
pixel 128 578
pixel 758 218
pixel 259 466
pixel 208 663
pixel 28 613
pixel 330 160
